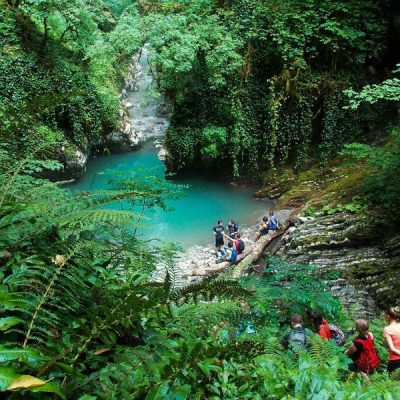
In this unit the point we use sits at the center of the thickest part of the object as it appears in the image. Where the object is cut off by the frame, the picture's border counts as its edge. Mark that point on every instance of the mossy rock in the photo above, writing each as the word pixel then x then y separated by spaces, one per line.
pixel 275 183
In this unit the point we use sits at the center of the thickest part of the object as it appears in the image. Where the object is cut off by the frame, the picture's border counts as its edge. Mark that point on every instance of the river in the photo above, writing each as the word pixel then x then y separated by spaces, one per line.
pixel 203 201
pixel 193 215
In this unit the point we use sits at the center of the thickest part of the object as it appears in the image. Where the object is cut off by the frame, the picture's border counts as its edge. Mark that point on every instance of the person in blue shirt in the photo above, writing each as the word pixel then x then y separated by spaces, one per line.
pixel 231 253
pixel 218 231
pixel 273 223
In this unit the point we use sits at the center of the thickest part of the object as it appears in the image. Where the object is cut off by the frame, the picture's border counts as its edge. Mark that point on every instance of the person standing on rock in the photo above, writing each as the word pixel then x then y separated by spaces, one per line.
pixel 233 228
pixel 392 336
pixel 218 232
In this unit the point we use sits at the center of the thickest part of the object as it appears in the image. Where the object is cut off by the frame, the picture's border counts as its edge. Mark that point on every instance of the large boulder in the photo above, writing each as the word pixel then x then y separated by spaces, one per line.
pixel 75 161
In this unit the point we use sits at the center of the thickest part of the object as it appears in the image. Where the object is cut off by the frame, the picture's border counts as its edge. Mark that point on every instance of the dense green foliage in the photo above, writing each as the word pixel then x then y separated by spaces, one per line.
pixel 253 84
pixel 274 83
pixel 382 189
pixel 79 312
pixel 381 186
pixel 66 291
pixel 60 69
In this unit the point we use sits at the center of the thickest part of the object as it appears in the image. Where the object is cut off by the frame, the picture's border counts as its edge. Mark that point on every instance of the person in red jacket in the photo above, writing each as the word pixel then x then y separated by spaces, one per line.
pixel 238 242
pixel 321 326
pixel 362 351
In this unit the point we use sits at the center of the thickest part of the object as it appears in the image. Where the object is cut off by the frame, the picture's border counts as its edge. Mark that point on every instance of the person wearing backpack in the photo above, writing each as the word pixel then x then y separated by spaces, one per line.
pixel 321 326
pixel 337 335
pixel 296 338
pixel 273 222
pixel 231 254
pixel 238 242
pixel 362 351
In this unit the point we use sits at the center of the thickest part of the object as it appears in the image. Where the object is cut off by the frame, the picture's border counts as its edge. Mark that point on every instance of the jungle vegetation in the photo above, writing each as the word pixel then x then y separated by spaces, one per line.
pixel 254 85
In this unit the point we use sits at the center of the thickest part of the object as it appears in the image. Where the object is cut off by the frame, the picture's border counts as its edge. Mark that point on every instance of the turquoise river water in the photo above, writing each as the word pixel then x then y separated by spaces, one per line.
pixel 193 215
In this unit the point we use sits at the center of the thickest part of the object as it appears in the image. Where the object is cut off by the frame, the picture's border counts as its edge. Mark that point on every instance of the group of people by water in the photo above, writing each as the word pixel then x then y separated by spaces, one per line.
pixel 362 351
pixel 236 245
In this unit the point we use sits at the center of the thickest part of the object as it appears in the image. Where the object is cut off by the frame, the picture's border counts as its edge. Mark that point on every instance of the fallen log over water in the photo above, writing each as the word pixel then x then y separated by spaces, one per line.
pixel 250 256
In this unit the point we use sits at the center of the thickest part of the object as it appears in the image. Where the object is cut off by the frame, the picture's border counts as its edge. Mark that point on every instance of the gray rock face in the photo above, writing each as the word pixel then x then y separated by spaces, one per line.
pixel 142 115
pixel 76 163
pixel 163 153
pixel 344 244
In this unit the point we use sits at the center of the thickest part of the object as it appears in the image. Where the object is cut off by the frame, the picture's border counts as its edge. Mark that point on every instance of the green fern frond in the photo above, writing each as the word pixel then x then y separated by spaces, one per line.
pixel 85 217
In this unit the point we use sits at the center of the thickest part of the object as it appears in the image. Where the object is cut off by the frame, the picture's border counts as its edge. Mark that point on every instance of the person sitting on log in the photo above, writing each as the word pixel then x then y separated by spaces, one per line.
pixel 264 228
pixel 227 254
pixel 273 222
pixel 238 242
pixel 231 254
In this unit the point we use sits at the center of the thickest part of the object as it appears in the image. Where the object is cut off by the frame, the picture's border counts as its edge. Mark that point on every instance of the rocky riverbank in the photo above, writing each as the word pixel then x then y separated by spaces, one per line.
pixel 346 248
pixel 342 247
pixel 140 117
pixel 197 262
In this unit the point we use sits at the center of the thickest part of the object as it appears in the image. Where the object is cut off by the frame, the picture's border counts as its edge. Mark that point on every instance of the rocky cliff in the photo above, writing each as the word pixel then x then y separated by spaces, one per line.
pixel 359 267
pixel 126 137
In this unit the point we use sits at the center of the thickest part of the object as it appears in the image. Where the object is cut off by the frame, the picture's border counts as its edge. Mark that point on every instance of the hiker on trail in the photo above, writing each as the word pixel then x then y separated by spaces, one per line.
pixel 321 326
pixel 296 338
pixel 218 231
pixel 273 222
pixel 362 351
pixel 392 336
pixel 264 228
pixel 230 253
pixel 238 242
pixel 233 228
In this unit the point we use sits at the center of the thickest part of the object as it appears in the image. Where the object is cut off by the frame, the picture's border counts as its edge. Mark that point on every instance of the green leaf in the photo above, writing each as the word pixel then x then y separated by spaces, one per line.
pixel 8 322
pixel 7 376
pixel 28 354
pixel 180 392
pixel 49 387
pixel 158 392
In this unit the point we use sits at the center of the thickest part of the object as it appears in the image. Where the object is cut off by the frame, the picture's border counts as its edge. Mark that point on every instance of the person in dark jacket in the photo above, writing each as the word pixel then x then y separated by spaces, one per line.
pixel 296 338
pixel 218 231
pixel 233 229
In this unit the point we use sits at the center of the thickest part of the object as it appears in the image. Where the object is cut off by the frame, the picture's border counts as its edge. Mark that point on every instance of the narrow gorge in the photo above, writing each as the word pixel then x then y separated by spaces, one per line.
pixel 128 128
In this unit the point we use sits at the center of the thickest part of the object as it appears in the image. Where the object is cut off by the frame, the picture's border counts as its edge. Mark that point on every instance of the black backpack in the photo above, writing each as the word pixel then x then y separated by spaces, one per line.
pixel 298 339
pixel 241 245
